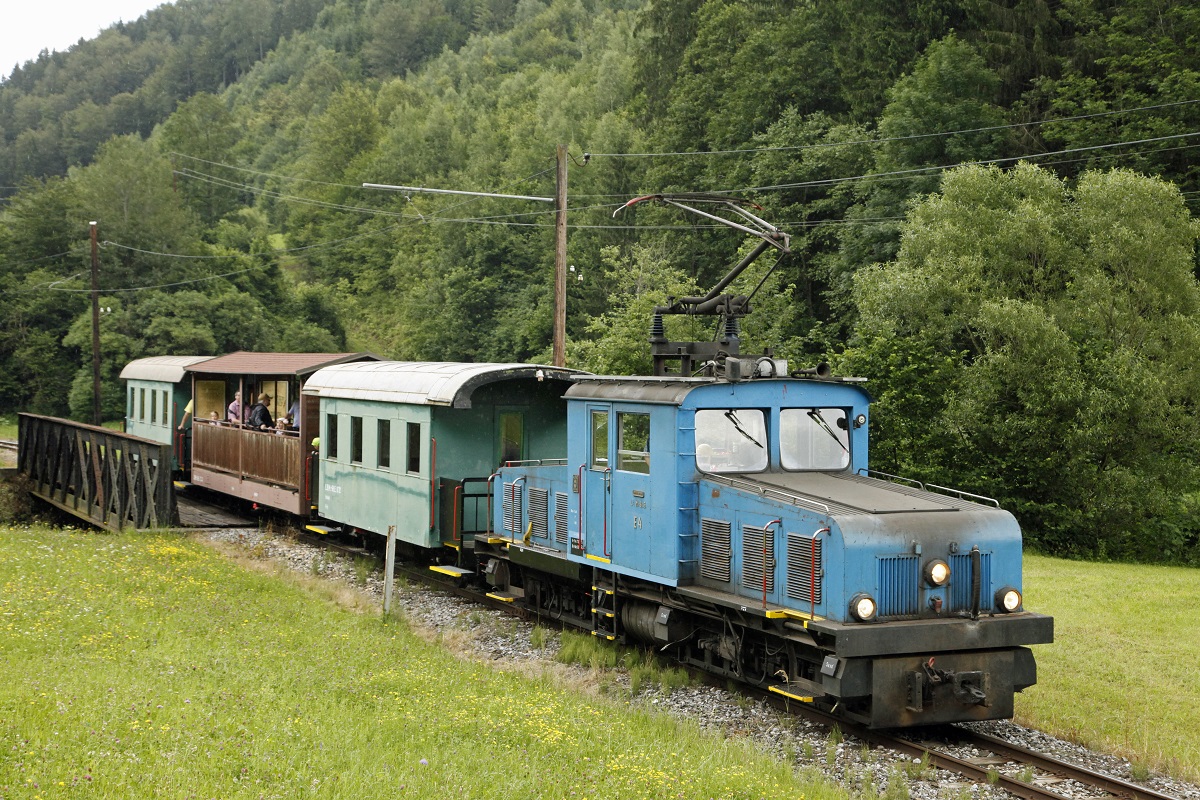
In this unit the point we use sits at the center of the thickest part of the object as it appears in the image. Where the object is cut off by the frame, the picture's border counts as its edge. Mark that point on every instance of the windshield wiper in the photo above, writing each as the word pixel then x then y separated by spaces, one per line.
pixel 816 417
pixel 737 424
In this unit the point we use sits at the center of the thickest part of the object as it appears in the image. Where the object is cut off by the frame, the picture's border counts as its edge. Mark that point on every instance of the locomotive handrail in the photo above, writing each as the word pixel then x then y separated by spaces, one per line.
pixel 926 487
pixel 767 491
pixel 538 462
pixel 871 473
pixel 964 495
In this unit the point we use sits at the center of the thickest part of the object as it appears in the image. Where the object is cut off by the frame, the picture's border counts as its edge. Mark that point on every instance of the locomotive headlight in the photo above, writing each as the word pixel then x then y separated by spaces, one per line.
pixel 937 572
pixel 1008 599
pixel 862 607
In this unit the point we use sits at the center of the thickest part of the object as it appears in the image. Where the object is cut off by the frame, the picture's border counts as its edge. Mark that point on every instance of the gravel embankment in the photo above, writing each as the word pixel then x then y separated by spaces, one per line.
pixel 491 636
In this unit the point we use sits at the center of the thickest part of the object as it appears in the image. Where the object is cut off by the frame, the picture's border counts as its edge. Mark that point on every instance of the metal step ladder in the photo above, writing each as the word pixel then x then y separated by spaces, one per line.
pixel 606 623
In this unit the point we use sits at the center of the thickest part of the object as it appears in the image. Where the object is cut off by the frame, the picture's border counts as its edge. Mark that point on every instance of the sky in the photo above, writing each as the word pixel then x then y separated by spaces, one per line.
pixel 29 26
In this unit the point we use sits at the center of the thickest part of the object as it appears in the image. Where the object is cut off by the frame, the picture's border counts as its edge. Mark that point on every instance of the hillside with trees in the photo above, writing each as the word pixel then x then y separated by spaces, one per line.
pixel 990 203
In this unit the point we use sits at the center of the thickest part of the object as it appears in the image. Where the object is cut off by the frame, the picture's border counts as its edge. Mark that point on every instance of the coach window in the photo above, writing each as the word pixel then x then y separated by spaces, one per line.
pixel 129 413
pixel 414 447
pixel 153 407
pixel 512 436
pixel 356 443
pixel 331 432
pixel 166 417
pixel 599 440
pixel 814 438
pixel 633 442
pixel 141 405
pixel 384 459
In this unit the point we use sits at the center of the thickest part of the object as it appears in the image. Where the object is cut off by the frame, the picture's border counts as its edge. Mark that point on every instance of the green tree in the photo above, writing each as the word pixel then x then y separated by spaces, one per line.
pixel 198 136
pixel 1060 326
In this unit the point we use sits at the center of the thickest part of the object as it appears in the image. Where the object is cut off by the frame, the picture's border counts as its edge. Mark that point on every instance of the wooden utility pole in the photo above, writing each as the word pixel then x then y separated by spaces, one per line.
pixel 560 259
pixel 95 329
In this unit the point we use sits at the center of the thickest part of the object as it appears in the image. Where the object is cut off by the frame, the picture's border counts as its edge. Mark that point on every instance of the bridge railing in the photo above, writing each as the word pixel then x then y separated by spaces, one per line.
pixel 108 478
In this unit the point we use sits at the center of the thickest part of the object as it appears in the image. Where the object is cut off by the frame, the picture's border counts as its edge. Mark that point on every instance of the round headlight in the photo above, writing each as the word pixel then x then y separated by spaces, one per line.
pixel 937 572
pixel 1008 600
pixel 862 607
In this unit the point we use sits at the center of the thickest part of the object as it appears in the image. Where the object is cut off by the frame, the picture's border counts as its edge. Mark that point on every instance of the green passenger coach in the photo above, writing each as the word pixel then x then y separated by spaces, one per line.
pixel 412 445
pixel 156 395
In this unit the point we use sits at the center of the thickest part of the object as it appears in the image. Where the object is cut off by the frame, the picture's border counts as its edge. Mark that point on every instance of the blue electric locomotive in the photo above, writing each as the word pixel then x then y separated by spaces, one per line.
pixel 736 524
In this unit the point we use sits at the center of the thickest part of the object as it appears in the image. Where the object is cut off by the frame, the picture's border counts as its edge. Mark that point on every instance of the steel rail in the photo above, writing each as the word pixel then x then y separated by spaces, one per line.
pixel 1064 769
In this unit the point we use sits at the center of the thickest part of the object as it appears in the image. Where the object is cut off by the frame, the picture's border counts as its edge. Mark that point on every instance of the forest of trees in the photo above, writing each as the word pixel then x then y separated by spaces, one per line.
pixel 990 204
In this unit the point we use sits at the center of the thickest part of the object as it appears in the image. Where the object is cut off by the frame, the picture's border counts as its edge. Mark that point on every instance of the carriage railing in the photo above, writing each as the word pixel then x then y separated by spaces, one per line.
pixel 263 456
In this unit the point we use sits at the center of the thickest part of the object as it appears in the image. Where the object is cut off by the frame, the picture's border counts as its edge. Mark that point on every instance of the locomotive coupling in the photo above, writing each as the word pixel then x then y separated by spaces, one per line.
pixel 933 686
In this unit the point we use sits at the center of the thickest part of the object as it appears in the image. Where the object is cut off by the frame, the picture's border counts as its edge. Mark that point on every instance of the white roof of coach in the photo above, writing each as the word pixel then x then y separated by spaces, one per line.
pixel 167 369
pixel 422 382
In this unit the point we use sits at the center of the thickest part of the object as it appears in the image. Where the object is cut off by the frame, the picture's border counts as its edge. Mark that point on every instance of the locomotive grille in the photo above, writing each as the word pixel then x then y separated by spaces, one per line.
pixel 754 541
pixel 511 506
pixel 899 578
pixel 715 551
pixel 539 512
pixel 960 581
pixel 560 518
pixel 804 571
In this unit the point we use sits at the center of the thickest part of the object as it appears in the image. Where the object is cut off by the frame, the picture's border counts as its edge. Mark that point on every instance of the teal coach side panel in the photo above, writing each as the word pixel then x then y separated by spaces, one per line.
pixel 368 477
pixel 148 412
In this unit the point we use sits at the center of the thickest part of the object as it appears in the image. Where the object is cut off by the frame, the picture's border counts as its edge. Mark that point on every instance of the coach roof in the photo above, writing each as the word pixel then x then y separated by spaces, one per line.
pixel 244 362
pixel 423 382
pixel 167 369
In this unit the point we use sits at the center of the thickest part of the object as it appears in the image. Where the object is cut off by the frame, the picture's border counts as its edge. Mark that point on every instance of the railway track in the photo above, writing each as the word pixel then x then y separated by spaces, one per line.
pixel 1026 774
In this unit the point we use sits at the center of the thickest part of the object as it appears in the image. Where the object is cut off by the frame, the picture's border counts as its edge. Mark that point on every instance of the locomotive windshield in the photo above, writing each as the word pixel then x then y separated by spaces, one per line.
pixel 729 440
pixel 814 438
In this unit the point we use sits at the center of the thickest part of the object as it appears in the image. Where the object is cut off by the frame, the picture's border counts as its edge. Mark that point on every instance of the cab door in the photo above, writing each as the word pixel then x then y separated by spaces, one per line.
pixel 597 485
pixel 630 498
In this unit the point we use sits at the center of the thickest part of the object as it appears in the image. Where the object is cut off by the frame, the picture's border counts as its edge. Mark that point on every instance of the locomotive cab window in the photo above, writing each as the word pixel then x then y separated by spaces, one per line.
pixel 814 438
pixel 731 440
pixel 599 458
pixel 633 443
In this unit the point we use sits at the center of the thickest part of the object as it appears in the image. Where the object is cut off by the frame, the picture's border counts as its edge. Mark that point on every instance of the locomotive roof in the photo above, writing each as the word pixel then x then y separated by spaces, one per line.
pixel 167 369
pixel 671 390
pixel 244 362
pixel 637 389
pixel 423 382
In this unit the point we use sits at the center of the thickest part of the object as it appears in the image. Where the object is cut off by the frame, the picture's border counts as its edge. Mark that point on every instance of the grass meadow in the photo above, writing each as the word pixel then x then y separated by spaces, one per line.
pixel 150 665
pixel 1123 674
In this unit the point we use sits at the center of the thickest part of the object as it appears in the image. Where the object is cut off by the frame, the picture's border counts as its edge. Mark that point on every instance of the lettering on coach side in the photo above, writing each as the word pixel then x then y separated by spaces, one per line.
pixel 331 488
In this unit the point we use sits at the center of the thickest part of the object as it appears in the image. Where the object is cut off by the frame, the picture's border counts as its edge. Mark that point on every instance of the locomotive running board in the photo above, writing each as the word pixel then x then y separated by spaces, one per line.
pixel 453 572
pixel 798 689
